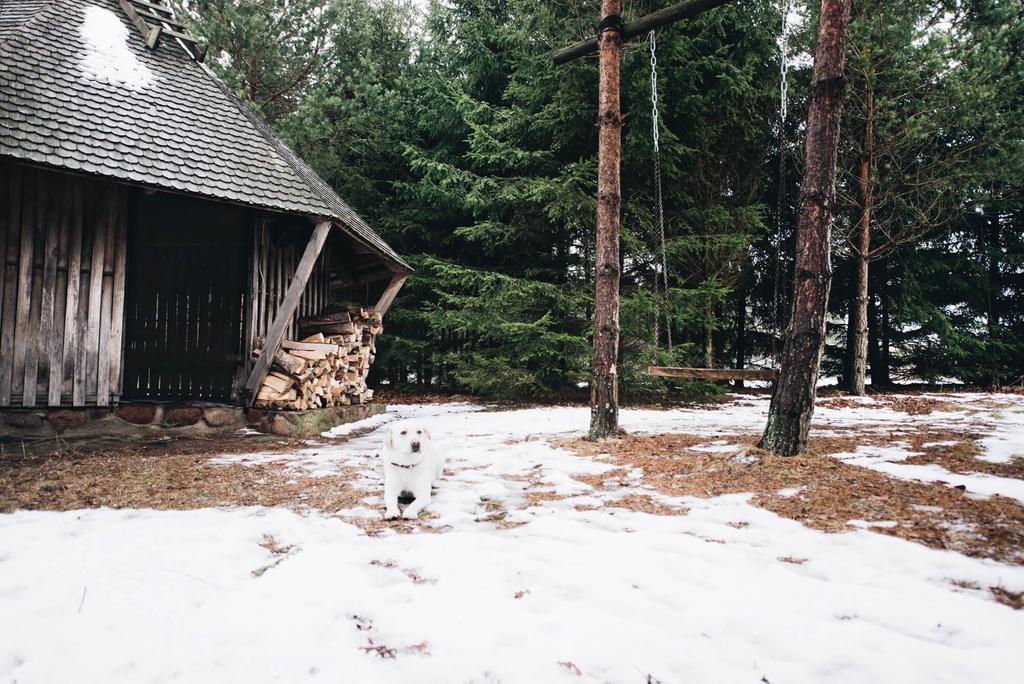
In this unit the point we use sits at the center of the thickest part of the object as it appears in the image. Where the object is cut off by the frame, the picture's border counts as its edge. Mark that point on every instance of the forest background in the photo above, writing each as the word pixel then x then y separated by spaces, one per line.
pixel 446 126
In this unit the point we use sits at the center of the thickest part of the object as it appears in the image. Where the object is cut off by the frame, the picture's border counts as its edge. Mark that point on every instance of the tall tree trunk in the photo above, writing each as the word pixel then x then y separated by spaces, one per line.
pixel 792 407
pixel 858 370
pixel 741 330
pixel 604 384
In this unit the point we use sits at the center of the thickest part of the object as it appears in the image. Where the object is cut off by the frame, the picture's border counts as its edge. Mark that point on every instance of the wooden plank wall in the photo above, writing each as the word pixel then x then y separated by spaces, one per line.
pixel 184 307
pixel 62 265
pixel 274 262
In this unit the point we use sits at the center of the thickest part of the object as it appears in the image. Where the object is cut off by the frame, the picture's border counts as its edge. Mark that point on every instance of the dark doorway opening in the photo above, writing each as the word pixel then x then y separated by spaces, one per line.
pixel 184 298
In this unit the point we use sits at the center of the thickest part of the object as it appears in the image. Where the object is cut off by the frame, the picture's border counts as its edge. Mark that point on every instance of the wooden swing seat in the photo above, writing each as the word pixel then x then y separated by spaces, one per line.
pixel 770 374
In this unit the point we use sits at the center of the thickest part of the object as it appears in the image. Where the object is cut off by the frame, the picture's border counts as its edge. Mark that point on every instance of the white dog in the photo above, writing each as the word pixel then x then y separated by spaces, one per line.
pixel 411 464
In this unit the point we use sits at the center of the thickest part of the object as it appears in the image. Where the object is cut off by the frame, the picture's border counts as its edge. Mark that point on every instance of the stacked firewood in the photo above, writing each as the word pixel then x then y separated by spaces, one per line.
pixel 328 366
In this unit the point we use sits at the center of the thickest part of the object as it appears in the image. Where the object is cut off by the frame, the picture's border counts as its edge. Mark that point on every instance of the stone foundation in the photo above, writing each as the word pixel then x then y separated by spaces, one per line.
pixel 304 424
pixel 149 420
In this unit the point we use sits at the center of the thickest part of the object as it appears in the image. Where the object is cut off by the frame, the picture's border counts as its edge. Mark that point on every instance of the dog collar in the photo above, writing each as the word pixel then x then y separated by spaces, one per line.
pixel 399 465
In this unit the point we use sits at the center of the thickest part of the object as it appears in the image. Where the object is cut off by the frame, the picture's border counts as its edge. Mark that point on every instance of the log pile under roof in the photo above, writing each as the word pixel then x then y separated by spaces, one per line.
pixel 327 367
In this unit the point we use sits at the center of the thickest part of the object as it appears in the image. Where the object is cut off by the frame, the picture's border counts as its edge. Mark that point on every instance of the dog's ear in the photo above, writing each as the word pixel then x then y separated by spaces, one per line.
pixel 389 438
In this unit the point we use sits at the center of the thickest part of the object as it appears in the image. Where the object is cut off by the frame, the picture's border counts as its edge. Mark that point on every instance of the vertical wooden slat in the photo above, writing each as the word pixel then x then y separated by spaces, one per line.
pixel 327 276
pixel 279 277
pixel 10 303
pixel 60 301
pixel 210 327
pixel 106 300
pixel 286 268
pixel 217 332
pixel 7 171
pixel 25 342
pixel 165 312
pixel 85 218
pixel 261 293
pixel 117 307
pixel 48 294
pixel 73 203
pixel 174 329
pixel 270 286
pixel 249 311
pixel 99 227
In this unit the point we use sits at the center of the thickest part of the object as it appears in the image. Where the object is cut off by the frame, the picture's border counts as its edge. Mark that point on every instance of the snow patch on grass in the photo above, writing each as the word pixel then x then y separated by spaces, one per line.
pixel 513 585
pixel 887 460
pixel 172 596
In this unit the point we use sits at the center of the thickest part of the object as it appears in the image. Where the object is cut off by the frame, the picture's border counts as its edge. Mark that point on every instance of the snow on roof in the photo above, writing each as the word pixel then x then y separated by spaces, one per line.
pixel 80 91
pixel 107 56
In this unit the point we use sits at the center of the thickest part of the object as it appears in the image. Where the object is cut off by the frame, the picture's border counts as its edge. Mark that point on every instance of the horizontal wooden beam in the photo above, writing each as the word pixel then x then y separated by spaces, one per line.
pixel 712 373
pixel 654 20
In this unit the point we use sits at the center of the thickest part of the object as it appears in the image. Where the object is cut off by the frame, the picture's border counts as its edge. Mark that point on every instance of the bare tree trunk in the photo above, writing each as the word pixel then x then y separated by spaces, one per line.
pixel 604 384
pixel 859 366
pixel 789 417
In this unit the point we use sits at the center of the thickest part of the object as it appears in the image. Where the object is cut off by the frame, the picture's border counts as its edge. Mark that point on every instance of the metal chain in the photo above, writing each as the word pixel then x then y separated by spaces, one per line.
pixel 656 136
pixel 652 40
pixel 787 6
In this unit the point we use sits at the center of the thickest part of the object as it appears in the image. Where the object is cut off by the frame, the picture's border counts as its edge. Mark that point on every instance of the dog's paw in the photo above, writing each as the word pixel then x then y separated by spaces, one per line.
pixel 410 515
pixel 392 514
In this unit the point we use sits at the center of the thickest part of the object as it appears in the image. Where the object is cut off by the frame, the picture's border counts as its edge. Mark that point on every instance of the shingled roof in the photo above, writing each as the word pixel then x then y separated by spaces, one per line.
pixel 79 90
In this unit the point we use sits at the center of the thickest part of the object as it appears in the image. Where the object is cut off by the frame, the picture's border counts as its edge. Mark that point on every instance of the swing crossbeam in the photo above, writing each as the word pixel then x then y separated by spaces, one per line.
pixel 769 374
pixel 654 20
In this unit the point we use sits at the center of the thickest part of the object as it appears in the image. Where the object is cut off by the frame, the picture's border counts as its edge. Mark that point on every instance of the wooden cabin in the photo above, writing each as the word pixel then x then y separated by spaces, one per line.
pixel 153 230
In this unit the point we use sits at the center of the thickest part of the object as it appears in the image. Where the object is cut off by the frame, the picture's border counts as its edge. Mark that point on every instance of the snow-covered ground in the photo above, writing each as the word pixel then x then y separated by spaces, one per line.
pixel 501 587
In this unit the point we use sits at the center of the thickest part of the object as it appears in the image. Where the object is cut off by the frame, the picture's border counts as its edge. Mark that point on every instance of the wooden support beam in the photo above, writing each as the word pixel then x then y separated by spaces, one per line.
pixel 390 292
pixel 654 20
pixel 170 21
pixel 712 373
pixel 150 34
pixel 285 311
pixel 153 6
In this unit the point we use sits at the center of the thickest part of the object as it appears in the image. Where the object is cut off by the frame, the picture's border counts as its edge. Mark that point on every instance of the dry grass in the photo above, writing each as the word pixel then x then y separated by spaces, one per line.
pixel 1013 599
pixel 831 493
pixel 643 503
pixel 177 476
pixel 960 457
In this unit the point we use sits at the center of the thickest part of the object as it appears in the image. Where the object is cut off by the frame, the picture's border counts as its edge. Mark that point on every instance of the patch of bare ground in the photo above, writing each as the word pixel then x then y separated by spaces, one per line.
pixel 911 405
pixel 830 493
pixel 389 396
pixel 644 503
pixel 959 457
pixel 1013 599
